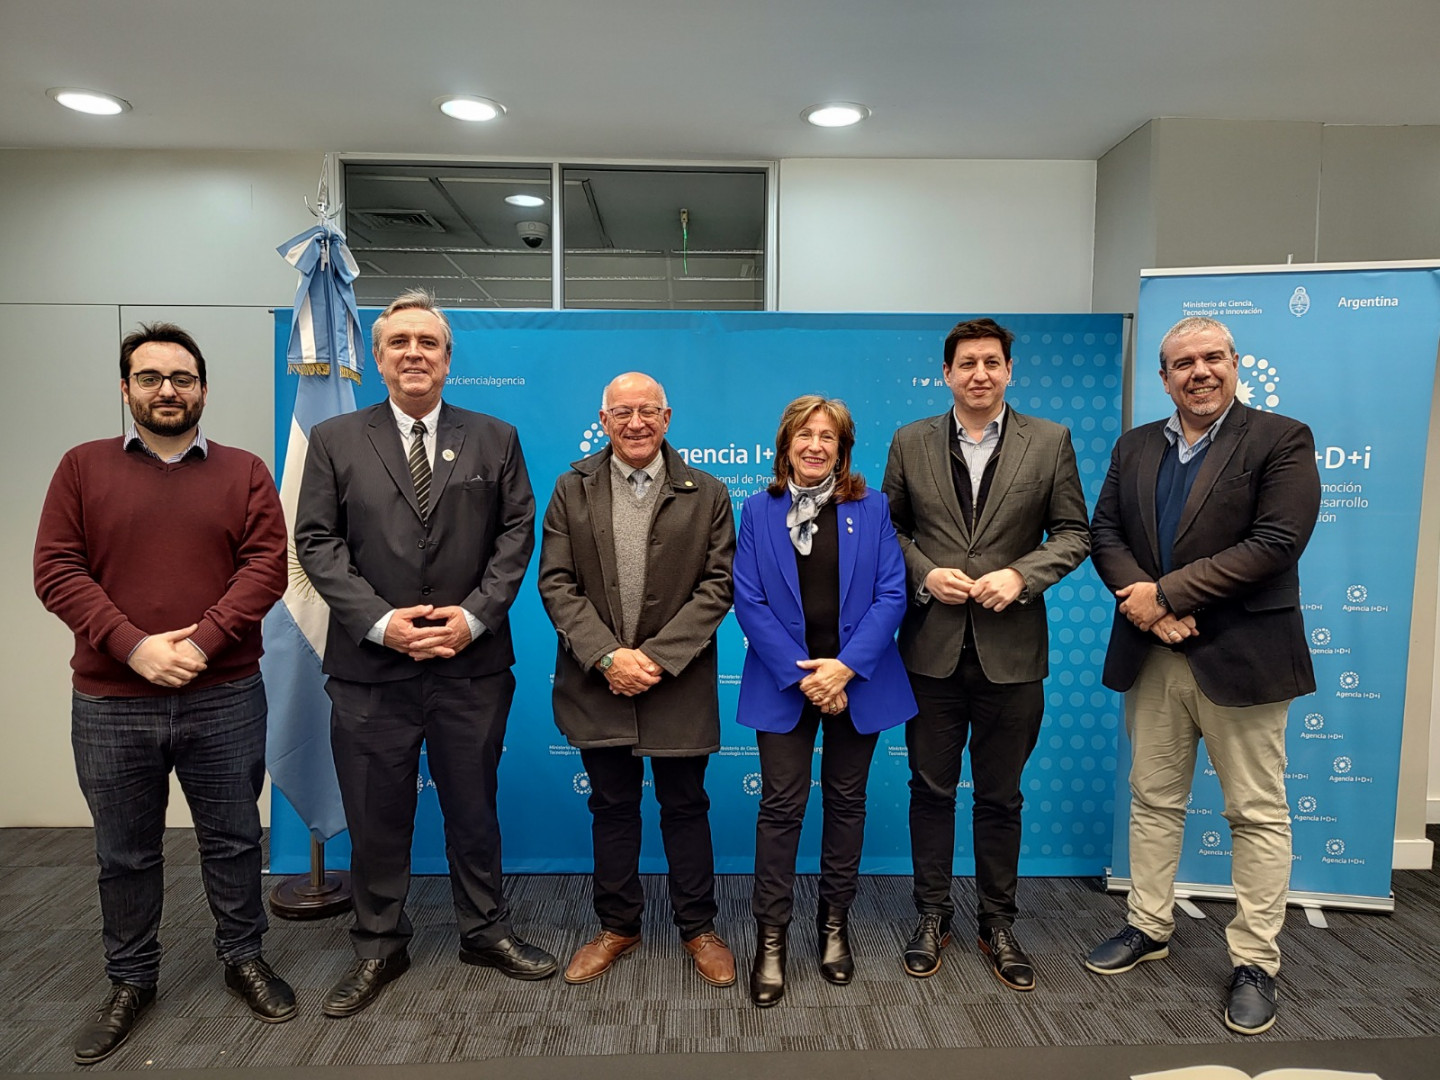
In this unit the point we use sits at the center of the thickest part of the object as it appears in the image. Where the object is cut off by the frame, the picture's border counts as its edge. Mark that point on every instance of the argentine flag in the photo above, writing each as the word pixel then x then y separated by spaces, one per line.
pixel 325 351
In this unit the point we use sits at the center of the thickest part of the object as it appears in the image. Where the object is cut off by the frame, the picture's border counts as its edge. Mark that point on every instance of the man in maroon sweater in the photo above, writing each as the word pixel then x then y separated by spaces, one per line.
pixel 162 552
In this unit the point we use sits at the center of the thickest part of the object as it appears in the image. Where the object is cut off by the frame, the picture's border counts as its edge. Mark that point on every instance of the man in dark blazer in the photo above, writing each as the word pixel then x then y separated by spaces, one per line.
pixel 635 574
pixel 1198 532
pixel 989 510
pixel 415 524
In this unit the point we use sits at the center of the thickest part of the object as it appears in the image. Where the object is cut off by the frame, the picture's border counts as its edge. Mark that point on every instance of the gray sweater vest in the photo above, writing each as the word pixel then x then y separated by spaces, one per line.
pixel 630 525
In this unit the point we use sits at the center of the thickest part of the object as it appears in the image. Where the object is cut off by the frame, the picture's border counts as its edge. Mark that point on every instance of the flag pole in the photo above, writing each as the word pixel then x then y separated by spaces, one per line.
pixel 316 895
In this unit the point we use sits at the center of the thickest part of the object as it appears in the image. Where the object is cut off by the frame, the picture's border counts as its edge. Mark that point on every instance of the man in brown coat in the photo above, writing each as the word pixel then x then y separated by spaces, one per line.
pixel 635 575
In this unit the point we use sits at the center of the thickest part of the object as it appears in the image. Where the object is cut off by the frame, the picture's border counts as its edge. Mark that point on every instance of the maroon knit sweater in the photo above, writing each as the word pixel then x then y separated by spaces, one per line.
pixel 130 546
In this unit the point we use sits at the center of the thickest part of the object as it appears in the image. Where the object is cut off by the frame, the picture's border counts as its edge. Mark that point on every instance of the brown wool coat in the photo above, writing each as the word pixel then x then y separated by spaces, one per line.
pixel 688 590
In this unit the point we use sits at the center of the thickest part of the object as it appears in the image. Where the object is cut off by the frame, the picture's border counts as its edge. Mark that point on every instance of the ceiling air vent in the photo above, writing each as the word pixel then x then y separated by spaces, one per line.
pixel 414 220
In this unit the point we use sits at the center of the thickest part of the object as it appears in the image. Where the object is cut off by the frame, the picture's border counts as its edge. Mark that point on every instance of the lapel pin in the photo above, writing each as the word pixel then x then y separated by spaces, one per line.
pixel 689 483
pixel 448 455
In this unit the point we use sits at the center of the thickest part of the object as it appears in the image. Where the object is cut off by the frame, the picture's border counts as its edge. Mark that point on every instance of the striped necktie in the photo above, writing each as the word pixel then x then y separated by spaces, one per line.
pixel 420 469
pixel 640 481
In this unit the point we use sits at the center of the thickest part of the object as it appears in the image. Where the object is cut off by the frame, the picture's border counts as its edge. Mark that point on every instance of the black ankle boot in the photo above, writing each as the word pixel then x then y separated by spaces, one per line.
pixel 836 964
pixel 767 973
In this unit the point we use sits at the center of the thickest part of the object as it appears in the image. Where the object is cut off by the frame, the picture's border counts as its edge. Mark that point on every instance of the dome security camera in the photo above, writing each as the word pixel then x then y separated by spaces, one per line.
pixel 533 233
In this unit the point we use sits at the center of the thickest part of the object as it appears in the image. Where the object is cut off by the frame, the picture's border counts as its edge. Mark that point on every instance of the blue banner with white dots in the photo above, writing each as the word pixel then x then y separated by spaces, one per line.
pixel 728 376
pixel 1351 351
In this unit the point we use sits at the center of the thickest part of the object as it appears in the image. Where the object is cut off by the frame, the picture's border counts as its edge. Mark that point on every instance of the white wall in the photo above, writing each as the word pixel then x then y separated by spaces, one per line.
pixel 971 236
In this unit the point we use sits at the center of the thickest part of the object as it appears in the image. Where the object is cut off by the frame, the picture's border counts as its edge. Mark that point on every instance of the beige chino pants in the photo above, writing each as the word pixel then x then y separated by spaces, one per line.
pixel 1165 716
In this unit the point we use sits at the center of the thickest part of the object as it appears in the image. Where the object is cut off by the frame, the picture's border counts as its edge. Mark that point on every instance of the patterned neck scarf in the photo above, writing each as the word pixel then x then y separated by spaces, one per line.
pixel 805 506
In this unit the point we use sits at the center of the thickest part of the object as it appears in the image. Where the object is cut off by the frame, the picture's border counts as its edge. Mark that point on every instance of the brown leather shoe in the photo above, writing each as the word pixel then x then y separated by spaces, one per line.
pixel 595 957
pixel 713 958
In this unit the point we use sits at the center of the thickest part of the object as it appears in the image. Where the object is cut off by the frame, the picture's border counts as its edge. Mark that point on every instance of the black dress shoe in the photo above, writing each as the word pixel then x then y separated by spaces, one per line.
pixel 361 985
pixel 105 1034
pixel 1253 1000
pixel 767 972
pixel 514 957
pixel 268 995
pixel 836 964
pixel 1009 962
pixel 922 951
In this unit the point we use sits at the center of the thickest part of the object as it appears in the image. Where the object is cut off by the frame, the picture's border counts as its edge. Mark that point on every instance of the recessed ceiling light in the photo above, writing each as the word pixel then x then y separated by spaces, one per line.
pixel 475 109
pixel 524 200
pixel 835 114
pixel 88 101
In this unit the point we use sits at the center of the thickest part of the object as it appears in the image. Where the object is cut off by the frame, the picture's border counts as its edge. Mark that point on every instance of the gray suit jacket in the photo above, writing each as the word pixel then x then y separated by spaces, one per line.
pixel 1235 562
pixel 1034 521
pixel 359 537
pixel 688 590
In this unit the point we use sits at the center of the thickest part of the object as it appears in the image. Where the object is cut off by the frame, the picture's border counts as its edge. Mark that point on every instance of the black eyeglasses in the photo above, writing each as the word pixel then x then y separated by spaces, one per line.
pixel 182 381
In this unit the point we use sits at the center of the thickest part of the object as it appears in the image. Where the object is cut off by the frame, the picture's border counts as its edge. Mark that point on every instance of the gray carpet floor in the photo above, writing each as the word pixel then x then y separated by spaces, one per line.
pixel 1368 982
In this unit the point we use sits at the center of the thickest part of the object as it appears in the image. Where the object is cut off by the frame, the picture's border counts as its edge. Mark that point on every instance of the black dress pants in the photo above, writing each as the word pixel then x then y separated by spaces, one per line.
pixel 376 730
pixel 617 780
pixel 1001 722
pixel 785 765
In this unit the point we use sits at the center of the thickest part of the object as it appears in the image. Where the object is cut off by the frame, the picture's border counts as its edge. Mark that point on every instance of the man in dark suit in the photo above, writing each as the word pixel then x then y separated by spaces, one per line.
pixel 635 575
pixel 989 511
pixel 1198 532
pixel 415 524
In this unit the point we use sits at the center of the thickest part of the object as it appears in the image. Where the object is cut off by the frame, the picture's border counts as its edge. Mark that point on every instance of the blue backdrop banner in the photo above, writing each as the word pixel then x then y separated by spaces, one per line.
pixel 1351 351
pixel 727 377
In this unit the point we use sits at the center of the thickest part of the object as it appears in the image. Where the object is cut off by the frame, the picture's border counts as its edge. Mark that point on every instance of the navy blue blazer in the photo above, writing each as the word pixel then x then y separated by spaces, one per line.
pixel 872 602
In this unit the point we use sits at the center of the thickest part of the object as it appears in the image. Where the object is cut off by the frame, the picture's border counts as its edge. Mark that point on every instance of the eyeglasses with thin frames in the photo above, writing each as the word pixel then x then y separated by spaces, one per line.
pixel 623 413
pixel 182 381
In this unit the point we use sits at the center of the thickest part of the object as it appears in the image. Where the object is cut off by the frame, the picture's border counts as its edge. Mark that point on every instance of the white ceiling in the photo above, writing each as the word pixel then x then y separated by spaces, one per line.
pixel 671 79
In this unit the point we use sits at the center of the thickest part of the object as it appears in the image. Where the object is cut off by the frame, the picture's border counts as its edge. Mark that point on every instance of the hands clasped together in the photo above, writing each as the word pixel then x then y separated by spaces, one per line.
pixel 168 659
pixel 433 639
pixel 1138 604
pixel 994 591
pixel 825 685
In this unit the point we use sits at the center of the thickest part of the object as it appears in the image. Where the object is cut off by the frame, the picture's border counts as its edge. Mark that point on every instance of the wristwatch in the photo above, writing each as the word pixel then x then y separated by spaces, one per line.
pixel 1160 597
pixel 606 661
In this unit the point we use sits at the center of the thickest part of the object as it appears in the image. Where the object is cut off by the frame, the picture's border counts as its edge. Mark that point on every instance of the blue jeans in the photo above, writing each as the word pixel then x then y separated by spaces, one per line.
pixel 214 739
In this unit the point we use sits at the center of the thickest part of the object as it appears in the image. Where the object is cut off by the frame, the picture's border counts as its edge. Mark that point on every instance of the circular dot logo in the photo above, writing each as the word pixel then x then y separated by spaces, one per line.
pixel 1314 721
pixel 1349 680
pixel 593 438
pixel 750 783
pixel 1259 383
pixel 581 783
pixel 1210 838
pixel 1334 847
pixel 1308 804
pixel 1343 765
pixel 1320 636
pixel 1357 594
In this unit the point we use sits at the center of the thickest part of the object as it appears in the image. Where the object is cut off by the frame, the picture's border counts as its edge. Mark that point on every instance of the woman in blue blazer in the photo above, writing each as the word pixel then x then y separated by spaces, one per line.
pixel 819 592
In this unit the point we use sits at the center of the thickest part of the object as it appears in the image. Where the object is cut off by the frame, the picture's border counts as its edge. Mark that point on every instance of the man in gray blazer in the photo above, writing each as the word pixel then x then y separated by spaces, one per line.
pixel 1198 532
pixel 989 511
pixel 415 524
pixel 635 575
